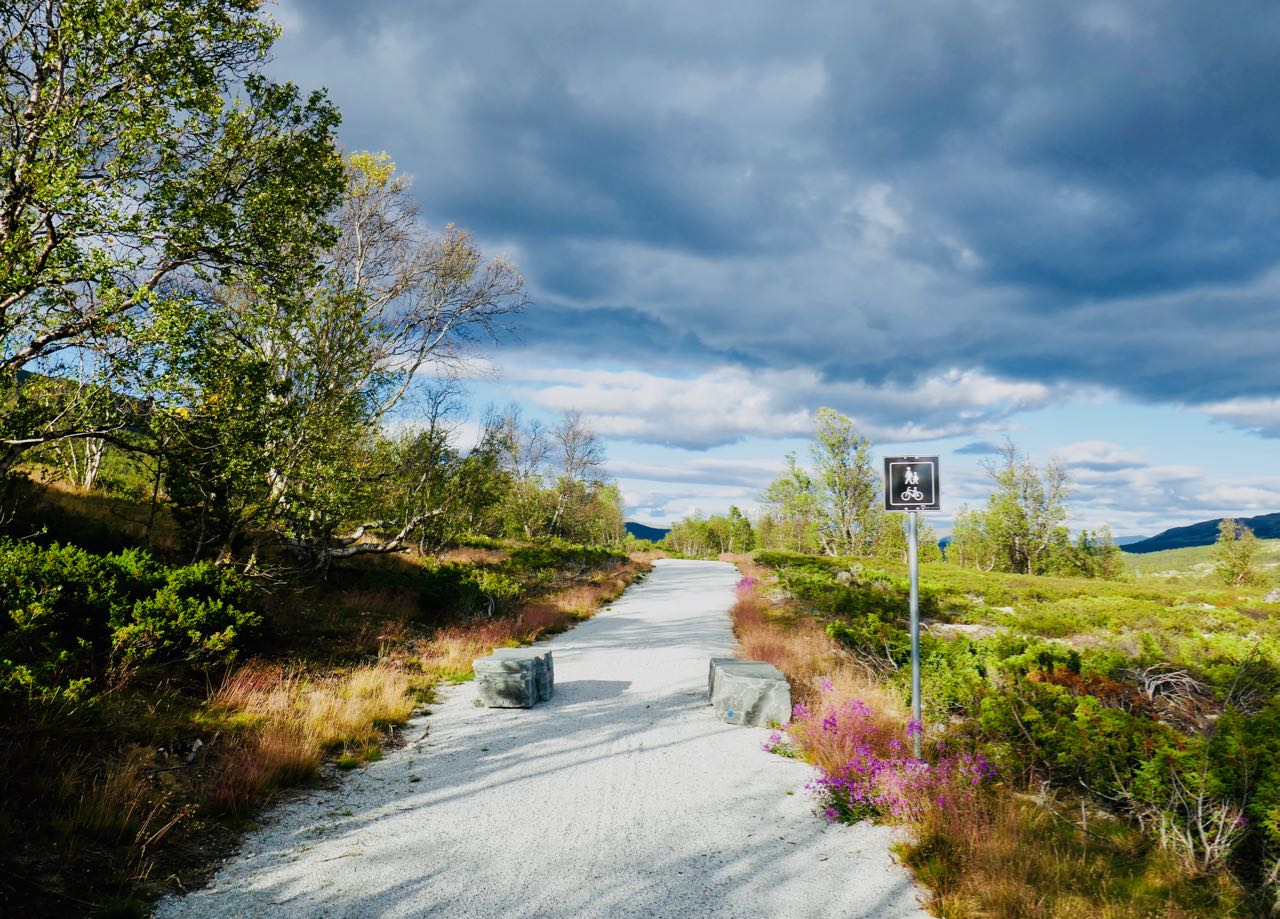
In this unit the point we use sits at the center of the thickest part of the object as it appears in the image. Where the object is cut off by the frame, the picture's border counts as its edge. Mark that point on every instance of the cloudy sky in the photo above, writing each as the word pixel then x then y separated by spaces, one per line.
pixel 954 221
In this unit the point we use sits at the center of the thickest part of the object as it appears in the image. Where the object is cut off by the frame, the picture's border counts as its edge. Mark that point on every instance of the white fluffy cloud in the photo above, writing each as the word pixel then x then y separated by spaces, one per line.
pixel 1118 485
pixel 1261 415
pixel 727 404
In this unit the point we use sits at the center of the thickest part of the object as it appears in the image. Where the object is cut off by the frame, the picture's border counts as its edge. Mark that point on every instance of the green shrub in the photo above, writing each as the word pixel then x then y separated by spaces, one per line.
pixel 556 556
pixel 461 589
pixel 193 618
pixel 70 614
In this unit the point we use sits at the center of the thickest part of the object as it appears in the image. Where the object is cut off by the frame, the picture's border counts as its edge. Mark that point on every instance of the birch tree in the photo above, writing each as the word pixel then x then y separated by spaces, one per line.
pixel 140 149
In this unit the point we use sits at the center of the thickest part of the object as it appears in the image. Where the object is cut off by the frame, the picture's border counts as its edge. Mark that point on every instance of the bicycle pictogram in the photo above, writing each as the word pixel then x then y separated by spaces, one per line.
pixel 912 494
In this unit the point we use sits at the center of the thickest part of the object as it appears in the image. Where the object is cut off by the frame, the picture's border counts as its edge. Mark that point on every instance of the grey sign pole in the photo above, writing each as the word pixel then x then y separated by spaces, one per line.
pixel 911 484
pixel 913 554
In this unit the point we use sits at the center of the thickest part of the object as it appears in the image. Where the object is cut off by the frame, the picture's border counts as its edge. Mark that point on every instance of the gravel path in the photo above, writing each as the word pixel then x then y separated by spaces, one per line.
pixel 623 796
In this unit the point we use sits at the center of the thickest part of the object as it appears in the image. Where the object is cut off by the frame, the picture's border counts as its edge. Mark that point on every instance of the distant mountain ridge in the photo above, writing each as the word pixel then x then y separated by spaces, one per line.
pixel 1129 540
pixel 1205 533
pixel 640 531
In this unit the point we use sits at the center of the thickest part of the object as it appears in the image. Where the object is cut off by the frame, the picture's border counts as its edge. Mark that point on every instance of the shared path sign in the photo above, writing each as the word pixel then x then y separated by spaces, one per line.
pixel 911 483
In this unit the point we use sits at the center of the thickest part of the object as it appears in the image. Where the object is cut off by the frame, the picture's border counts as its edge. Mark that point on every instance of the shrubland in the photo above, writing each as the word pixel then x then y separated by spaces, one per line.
pixel 1091 747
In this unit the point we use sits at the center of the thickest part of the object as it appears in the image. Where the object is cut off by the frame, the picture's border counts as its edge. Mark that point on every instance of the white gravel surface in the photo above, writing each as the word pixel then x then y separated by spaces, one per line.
pixel 621 797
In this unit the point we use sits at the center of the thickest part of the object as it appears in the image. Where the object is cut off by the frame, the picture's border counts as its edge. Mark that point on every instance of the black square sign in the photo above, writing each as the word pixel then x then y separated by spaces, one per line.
pixel 911 483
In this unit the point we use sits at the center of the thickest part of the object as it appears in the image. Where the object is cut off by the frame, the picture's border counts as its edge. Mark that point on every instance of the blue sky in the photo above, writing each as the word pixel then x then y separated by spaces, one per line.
pixel 954 221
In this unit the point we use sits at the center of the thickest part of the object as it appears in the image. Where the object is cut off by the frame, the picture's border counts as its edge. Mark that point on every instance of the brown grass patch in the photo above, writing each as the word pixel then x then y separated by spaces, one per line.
pixel 650 555
pixel 451 650
pixel 295 720
pixel 800 648
pixel 474 555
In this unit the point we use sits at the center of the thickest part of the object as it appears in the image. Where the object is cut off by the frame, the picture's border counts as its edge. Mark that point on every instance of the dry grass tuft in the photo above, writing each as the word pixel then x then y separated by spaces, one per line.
pixel 119 802
pixel 538 619
pixel 296 721
pixel 799 647
pixel 451 651
pixel 580 602
pixel 353 711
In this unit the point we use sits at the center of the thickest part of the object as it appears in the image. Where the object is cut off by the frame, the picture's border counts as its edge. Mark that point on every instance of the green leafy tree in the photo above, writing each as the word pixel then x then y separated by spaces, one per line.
pixel 847 486
pixel 305 459
pixel 524 451
pixel 894 543
pixel 833 508
pixel 792 504
pixel 971 545
pixel 742 537
pixel 579 456
pixel 1094 555
pixel 448 491
pixel 1236 554
pixel 140 150
pixel 709 537
pixel 1025 514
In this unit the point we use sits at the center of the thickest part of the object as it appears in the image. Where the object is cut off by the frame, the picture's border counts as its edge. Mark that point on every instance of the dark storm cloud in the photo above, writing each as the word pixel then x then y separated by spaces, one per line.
pixel 613 335
pixel 1068 193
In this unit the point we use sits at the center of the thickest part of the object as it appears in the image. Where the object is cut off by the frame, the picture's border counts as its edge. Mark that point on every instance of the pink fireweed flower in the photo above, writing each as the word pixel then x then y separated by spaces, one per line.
pixel 876 776
pixel 827 685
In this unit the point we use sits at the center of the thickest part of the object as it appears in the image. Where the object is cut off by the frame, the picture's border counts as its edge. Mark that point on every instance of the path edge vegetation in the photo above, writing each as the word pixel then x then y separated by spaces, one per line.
pixel 992 829
pixel 134 783
pixel 1060 678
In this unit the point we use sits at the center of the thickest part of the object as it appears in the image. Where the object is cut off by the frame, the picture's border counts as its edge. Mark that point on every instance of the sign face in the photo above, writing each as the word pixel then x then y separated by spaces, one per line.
pixel 911 483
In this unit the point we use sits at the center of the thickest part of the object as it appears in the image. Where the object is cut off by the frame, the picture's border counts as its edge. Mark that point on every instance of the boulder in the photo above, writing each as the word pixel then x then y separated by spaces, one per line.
pixel 1273 597
pixel 749 692
pixel 506 682
pixel 544 671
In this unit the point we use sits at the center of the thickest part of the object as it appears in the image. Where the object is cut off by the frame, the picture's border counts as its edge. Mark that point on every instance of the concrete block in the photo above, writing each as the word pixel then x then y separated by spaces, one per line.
pixel 711 674
pixel 506 682
pixel 749 692
pixel 544 668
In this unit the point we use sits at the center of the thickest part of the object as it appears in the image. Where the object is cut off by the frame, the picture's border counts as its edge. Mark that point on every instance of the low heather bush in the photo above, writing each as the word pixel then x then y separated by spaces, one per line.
pixel 864 768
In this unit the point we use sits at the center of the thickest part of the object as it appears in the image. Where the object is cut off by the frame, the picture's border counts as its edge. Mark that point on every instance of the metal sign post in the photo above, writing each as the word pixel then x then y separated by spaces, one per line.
pixel 911 485
pixel 913 565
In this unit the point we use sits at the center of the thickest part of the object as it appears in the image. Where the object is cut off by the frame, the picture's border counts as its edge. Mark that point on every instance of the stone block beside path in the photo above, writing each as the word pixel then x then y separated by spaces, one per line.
pixel 506 682
pixel 749 692
pixel 544 670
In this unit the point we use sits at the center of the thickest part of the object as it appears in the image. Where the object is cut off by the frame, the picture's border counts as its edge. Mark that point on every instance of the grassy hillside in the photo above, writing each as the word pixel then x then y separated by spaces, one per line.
pixel 1203 533
pixel 1195 564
